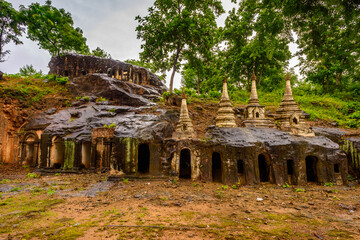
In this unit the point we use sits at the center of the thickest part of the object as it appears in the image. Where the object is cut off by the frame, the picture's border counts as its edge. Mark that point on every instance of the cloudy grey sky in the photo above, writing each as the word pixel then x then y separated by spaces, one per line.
pixel 108 24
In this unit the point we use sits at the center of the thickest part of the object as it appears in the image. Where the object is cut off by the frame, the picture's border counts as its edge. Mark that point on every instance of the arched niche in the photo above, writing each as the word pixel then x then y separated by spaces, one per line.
pixel 143 158
pixel 216 167
pixel 57 153
pixel 311 169
pixel 85 155
pixel 264 168
pixel 185 164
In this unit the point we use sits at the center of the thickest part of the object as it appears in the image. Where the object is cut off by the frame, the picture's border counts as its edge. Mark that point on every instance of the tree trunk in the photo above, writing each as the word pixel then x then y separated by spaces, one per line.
pixel 174 69
pixel 198 83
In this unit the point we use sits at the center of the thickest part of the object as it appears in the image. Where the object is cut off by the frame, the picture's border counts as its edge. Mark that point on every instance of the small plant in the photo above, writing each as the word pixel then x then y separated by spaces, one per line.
pixel 86 98
pixel 112 125
pixel 195 184
pixel 125 180
pixel 175 180
pixel 57 174
pixel 286 185
pixel 112 110
pixel 51 191
pixel 4 181
pixel 102 99
pixel 219 194
pixel 328 184
pixel 299 190
pixel 15 189
pixel 224 187
pixel 33 175
pixel 234 186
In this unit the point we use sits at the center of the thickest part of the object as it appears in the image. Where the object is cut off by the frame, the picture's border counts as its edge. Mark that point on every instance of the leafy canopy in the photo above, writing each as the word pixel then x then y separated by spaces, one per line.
pixel 173 27
pixel 11 27
pixel 53 29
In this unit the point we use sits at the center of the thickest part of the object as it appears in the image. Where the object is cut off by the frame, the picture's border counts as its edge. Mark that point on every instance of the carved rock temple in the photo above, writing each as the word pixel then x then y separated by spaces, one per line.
pixel 163 143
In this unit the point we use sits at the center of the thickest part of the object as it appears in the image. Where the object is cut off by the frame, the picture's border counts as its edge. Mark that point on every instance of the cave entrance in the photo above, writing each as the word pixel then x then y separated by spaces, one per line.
pixel 290 167
pixel 240 167
pixel 58 150
pixel 311 173
pixel 29 151
pixel 216 167
pixel 263 168
pixel 185 164
pixel 85 155
pixel 143 158
pixel 336 168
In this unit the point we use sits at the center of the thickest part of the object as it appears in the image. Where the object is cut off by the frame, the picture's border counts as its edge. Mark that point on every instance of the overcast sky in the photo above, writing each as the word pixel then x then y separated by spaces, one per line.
pixel 108 24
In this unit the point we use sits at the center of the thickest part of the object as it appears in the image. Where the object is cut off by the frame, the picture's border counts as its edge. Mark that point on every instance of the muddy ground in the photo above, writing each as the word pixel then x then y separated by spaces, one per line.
pixel 87 206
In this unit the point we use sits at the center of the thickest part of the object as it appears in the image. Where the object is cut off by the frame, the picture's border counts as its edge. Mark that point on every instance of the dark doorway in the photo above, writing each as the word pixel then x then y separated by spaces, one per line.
pixel 240 166
pixel 216 167
pixel 295 120
pixel 263 169
pixel 290 167
pixel 311 173
pixel 185 164
pixel 143 158
pixel 336 168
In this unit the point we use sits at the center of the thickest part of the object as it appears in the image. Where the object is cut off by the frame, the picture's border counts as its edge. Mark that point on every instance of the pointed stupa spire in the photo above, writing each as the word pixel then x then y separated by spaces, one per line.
pixel 184 129
pixel 288 92
pixel 225 115
pixel 253 97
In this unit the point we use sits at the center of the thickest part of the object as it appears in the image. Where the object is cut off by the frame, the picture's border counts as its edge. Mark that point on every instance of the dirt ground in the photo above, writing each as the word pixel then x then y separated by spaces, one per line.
pixel 87 206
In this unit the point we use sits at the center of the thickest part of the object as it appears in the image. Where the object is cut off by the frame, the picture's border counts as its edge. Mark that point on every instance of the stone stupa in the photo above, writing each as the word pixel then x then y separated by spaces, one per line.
pixel 289 116
pixel 254 112
pixel 184 129
pixel 225 116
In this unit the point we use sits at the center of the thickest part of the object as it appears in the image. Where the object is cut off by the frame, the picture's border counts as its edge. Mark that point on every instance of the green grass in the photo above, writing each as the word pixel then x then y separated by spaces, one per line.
pixel 30 89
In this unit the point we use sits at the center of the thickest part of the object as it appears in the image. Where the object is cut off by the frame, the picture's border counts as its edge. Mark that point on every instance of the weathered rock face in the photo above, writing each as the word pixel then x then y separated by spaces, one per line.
pixel 75 65
pixel 349 142
pixel 121 92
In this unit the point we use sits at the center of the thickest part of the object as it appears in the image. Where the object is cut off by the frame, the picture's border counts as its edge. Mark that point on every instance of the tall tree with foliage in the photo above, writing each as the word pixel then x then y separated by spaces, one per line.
pixel 11 27
pixel 98 52
pixel 328 38
pixel 173 27
pixel 257 38
pixel 53 29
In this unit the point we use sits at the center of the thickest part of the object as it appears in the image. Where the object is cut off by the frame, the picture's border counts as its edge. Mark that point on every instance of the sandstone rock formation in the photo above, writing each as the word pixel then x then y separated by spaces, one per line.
pixel 76 65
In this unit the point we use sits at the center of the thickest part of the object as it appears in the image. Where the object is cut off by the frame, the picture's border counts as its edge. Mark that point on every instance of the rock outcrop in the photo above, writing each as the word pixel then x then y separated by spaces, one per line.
pixel 76 65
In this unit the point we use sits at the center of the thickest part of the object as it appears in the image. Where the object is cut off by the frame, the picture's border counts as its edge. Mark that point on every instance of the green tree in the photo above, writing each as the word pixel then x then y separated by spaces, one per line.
pixel 328 38
pixel 10 27
pixel 98 52
pixel 53 29
pixel 173 27
pixel 257 37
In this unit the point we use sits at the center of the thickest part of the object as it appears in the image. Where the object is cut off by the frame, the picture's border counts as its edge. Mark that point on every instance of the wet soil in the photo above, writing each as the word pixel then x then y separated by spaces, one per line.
pixel 87 206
